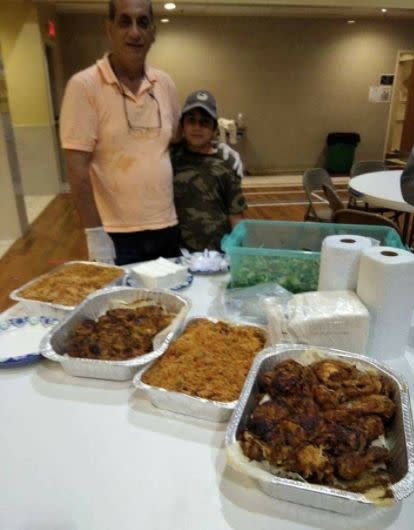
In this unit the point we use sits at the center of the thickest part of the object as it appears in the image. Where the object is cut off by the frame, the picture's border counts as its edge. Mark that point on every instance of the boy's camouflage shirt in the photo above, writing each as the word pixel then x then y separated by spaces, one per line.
pixel 206 192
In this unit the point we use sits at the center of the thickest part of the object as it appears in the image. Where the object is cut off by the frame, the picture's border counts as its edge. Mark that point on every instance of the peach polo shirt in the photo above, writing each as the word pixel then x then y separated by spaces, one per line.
pixel 130 171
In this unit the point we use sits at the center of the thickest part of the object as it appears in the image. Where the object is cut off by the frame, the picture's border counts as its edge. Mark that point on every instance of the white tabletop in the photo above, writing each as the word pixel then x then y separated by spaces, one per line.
pixel 84 454
pixel 381 189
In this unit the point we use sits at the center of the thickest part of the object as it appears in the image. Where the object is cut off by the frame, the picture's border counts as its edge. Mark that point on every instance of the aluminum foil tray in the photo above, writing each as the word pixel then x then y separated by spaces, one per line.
pixel 39 308
pixel 400 438
pixel 205 409
pixel 53 345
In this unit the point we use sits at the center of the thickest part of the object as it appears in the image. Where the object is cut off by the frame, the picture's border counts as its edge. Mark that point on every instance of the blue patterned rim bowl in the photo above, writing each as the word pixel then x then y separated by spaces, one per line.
pixel 20 338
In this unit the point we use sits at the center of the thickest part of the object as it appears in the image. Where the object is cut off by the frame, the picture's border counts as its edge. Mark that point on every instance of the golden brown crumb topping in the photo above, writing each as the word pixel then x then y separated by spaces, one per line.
pixel 70 284
pixel 209 360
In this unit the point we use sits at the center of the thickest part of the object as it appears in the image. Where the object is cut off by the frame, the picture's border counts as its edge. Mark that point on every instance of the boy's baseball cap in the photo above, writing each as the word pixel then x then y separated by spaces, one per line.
pixel 201 99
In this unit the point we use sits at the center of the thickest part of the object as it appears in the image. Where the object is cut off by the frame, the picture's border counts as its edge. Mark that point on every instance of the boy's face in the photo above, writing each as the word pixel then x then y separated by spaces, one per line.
pixel 198 128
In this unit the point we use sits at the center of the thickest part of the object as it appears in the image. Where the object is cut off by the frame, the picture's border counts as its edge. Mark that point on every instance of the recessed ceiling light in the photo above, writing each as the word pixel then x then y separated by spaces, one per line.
pixel 169 6
pixel 350 21
pixel 384 10
pixel 165 20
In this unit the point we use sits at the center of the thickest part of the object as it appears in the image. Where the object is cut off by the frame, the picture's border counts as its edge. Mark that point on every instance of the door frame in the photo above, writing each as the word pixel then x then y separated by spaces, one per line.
pixel 394 96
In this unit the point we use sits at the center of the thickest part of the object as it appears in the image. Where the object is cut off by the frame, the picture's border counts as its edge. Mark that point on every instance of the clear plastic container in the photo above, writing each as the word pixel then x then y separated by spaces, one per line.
pixel 288 252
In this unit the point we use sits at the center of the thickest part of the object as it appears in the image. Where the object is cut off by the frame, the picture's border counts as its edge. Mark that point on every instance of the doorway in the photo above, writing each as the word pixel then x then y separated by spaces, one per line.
pixel 50 55
pixel 13 215
pixel 400 131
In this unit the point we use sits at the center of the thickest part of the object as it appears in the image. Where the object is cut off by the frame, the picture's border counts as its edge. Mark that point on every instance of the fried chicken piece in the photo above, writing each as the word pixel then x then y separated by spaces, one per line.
pixel 291 378
pixel 290 433
pixel 282 455
pixel 351 465
pixel 338 439
pixel 302 405
pixel 386 388
pixel 313 464
pixel 363 385
pixel 334 373
pixel 266 416
pixel 277 455
pixel 373 404
pixel 367 481
pixel 370 426
pixel 326 397
pixel 265 381
pixel 251 447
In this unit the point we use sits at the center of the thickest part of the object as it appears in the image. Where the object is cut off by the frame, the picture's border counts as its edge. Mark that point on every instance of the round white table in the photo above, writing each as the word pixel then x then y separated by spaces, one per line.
pixel 382 189
pixel 85 454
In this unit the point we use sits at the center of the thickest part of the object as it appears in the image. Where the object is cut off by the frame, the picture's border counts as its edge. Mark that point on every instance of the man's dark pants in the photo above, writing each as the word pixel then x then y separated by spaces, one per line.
pixel 131 247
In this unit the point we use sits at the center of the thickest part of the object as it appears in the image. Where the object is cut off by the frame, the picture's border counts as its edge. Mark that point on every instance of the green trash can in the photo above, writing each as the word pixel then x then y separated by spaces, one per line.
pixel 341 151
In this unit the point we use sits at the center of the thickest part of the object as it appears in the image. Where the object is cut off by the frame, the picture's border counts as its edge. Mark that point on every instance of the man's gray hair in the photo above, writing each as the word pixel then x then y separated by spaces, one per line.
pixel 112 10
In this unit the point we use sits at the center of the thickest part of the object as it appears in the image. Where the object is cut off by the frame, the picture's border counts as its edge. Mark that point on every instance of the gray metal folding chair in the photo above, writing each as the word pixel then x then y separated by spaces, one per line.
pixel 313 180
pixel 334 200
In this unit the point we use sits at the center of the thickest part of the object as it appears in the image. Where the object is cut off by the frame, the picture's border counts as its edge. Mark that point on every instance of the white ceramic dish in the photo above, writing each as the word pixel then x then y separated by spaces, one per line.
pixel 20 339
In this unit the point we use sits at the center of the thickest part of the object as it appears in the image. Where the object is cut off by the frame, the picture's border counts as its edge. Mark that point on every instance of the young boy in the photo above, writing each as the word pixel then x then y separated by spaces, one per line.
pixel 207 191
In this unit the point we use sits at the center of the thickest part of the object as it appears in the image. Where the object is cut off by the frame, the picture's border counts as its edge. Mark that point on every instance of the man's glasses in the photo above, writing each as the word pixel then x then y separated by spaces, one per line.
pixel 139 131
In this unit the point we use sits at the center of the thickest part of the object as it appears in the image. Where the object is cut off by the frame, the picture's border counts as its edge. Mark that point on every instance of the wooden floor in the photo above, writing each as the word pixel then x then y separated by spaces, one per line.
pixel 56 235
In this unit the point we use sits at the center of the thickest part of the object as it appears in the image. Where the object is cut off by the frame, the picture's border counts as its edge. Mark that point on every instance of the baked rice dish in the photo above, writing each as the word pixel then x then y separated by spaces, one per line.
pixel 119 334
pixel 324 423
pixel 70 284
pixel 209 360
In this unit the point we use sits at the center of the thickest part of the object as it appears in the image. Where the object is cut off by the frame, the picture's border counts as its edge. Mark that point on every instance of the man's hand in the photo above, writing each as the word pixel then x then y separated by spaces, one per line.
pixel 226 151
pixel 100 245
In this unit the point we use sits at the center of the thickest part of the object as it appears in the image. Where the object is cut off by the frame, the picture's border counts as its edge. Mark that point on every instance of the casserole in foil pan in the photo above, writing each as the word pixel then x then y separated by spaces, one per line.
pixel 202 408
pixel 53 345
pixel 52 310
pixel 400 438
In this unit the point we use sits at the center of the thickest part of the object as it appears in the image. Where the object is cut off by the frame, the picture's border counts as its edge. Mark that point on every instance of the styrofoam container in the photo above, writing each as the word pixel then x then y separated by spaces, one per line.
pixel 400 437
pixel 158 274
pixel 49 309
pixel 53 345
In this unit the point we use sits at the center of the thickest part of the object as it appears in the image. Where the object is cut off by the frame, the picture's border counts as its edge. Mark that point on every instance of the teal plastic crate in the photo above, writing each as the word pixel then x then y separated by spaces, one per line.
pixel 288 252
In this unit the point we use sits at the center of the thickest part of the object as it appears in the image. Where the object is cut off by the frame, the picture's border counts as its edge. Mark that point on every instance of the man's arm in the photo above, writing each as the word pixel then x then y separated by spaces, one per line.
pixel 80 182
pixel 100 245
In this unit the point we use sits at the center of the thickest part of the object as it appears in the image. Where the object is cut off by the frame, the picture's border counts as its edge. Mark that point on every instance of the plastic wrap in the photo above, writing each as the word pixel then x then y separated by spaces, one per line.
pixel 244 304
pixel 334 319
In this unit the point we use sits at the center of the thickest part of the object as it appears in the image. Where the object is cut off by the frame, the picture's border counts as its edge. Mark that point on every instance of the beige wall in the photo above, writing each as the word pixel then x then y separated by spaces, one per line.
pixel 21 41
pixel 28 96
pixel 294 80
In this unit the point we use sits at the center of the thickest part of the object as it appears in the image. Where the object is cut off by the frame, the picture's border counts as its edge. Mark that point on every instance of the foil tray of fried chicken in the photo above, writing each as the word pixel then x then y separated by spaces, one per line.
pixel 115 331
pixel 324 428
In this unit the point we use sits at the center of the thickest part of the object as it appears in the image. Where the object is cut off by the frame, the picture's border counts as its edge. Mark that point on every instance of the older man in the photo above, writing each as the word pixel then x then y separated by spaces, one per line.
pixel 118 119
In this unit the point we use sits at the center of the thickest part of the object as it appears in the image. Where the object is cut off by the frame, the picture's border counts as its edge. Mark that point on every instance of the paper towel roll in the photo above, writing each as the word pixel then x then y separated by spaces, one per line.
pixel 386 287
pixel 340 257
